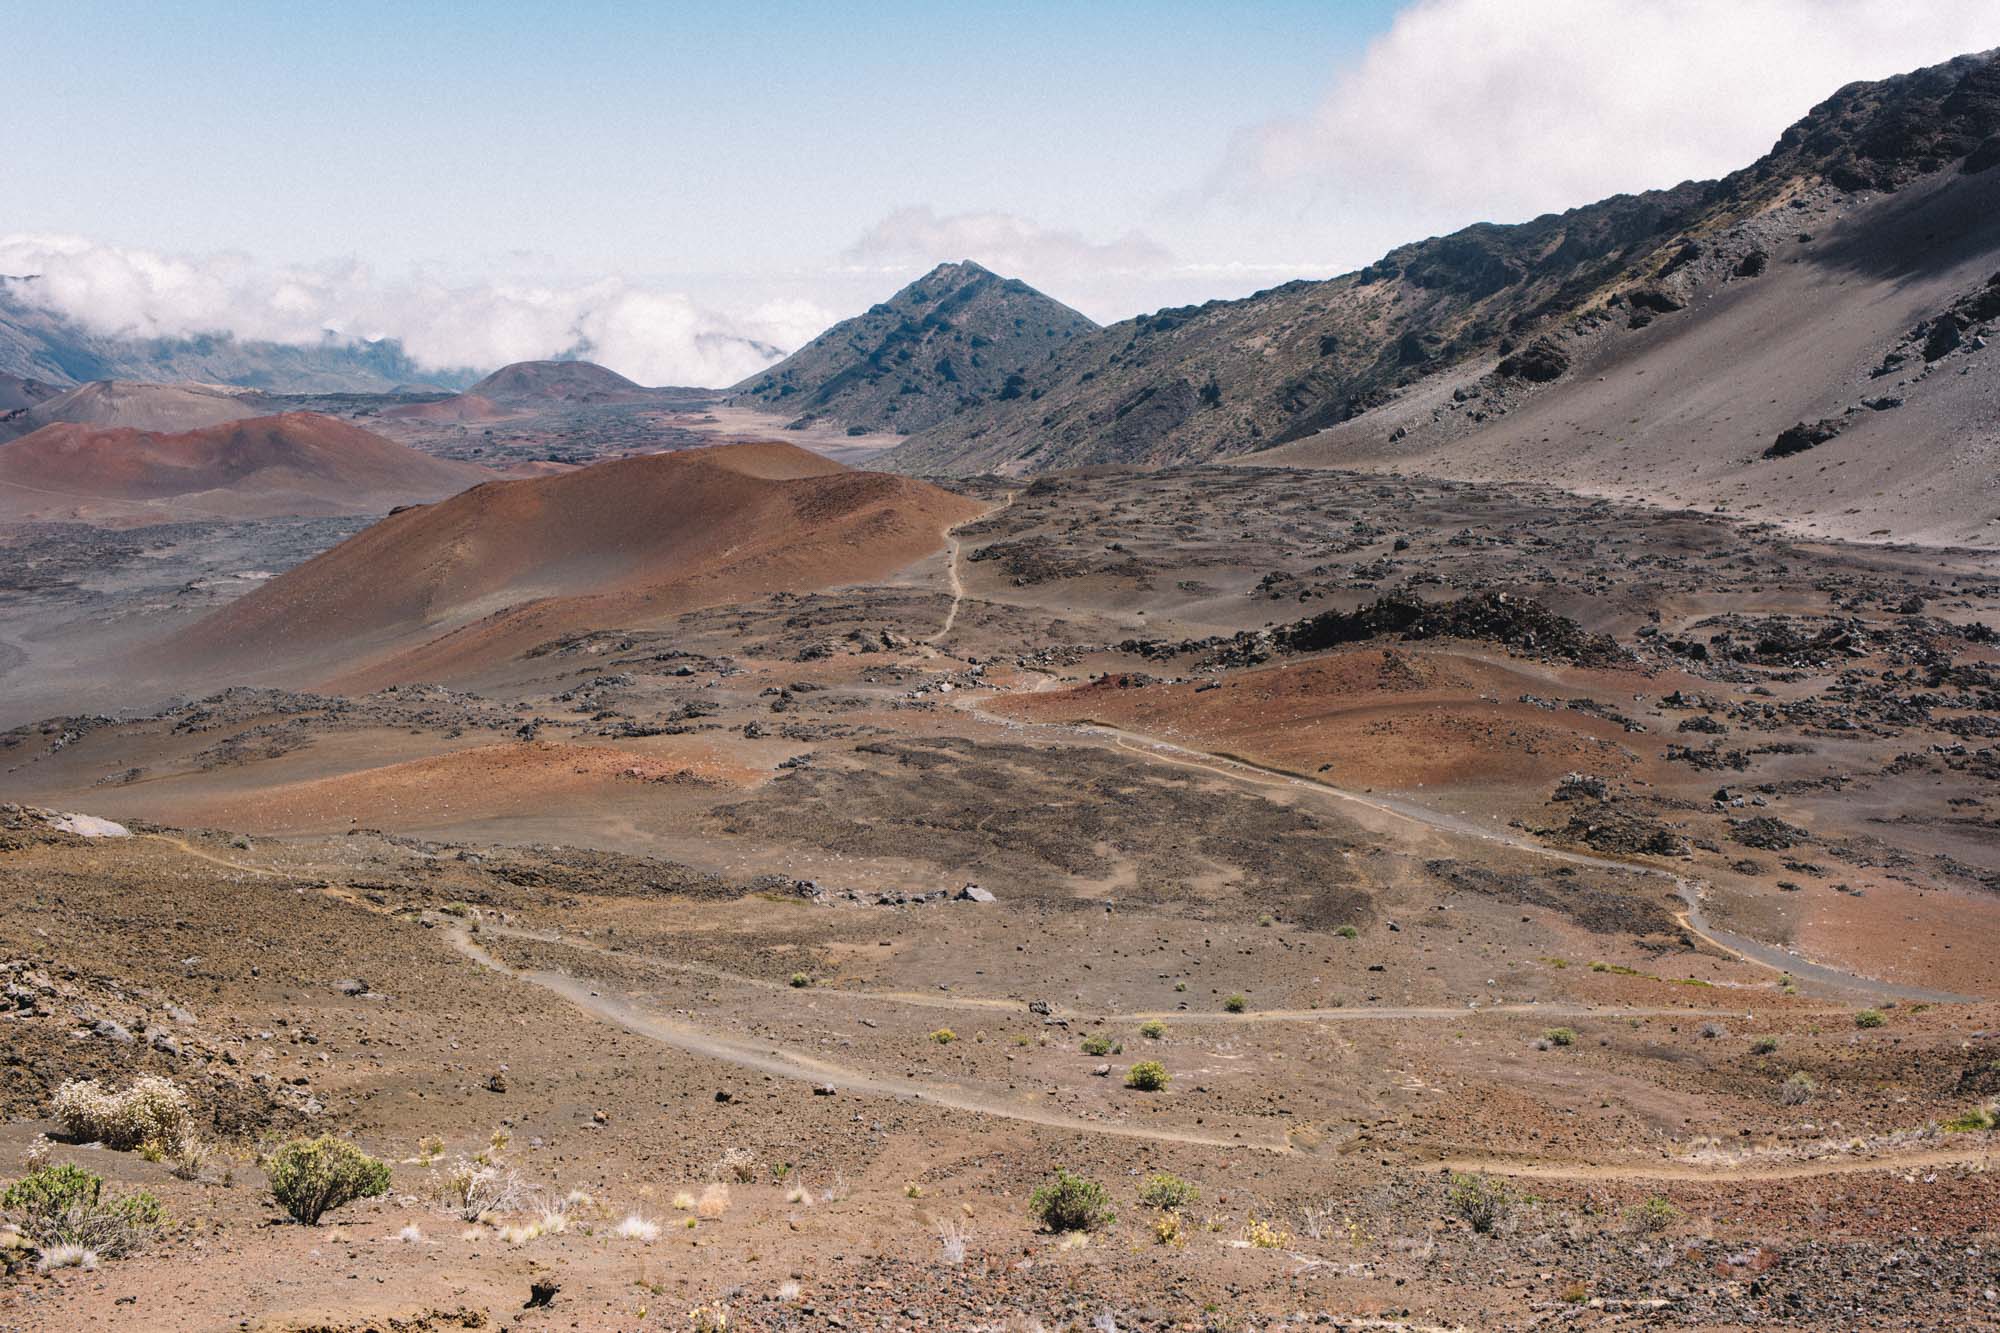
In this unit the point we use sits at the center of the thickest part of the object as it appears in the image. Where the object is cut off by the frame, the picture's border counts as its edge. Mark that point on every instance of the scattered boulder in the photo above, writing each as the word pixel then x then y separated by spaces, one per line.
pixel 1797 439
pixel 1538 363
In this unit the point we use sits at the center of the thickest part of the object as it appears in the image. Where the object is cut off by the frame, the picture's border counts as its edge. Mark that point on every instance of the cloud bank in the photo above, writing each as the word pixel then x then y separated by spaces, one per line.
pixel 649 333
pixel 1495 110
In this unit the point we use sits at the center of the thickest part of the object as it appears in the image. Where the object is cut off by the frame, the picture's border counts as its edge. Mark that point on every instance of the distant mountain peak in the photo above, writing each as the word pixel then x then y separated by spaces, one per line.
pixel 954 339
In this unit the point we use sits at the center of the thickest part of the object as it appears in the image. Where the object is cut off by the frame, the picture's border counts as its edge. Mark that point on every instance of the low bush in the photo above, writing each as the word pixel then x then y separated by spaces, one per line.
pixel 1655 1214
pixel 1099 1044
pixel 1979 1118
pixel 1164 1190
pixel 1560 1036
pixel 944 1036
pixel 1235 1004
pixel 1147 1076
pixel 308 1177
pixel 1798 1089
pixel 470 1189
pixel 1070 1203
pixel 1152 1029
pixel 63 1208
pixel 1481 1200
pixel 1869 1018
pixel 153 1112
pixel 1763 1046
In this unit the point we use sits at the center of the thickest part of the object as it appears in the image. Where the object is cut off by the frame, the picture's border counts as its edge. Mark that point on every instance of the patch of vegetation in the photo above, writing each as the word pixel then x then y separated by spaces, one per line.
pixel 1869 1018
pixel 1977 1120
pixel 1798 1089
pixel 800 981
pixel 1165 1190
pixel 1560 1036
pixel 1763 1046
pixel 944 1036
pixel 1152 1029
pixel 62 1209
pixel 1655 1214
pixel 310 1176
pixel 1070 1203
pixel 1483 1201
pixel 1099 1044
pixel 1235 1004
pixel 1147 1076
pixel 1348 933
pixel 154 1112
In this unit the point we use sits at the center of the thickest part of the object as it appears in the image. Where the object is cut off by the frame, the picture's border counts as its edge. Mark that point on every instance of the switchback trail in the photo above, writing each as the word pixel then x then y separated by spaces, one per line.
pixel 601 1004
pixel 1744 1170
pixel 952 548
pixel 1692 916
pixel 1180 1017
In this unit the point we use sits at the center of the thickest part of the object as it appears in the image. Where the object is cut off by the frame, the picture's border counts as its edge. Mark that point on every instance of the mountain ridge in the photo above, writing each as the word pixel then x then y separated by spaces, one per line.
pixel 1230 377
pixel 959 335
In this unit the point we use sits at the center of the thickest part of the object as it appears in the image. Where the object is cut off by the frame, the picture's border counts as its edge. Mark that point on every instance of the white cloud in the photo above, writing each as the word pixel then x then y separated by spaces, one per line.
pixel 1470 110
pixel 652 334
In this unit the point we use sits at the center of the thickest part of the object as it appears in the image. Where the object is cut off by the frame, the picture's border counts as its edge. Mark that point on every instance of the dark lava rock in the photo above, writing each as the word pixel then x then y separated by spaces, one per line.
pixel 1538 363
pixel 1797 439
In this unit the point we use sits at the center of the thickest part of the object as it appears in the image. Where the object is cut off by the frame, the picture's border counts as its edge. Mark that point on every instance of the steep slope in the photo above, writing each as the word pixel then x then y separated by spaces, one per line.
pixel 1844 390
pixel 446 591
pixel 41 343
pixel 162 407
pixel 955 338
pixel 299 463
pixel 1232 376
pixel 18 392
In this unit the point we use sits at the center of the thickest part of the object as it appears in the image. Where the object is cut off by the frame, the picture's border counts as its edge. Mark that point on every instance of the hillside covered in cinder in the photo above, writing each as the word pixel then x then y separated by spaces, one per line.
pixel 1809 220
pixel 955 339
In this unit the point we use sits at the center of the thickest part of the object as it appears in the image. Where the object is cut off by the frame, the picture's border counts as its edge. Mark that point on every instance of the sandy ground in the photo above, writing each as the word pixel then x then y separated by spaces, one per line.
pixel 639 896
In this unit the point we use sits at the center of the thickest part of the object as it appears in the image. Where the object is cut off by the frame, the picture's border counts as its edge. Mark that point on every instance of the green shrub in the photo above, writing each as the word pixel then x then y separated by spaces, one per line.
pixel 63 1206
pixel 1798 1089
pixel 1560 1036
pixel 1977 1119
pixel 1070 1203
pixel 944 1036
pixel 1152 1029
pixel 1869 1018
pixel 1763 1046
pixel 310 1176
pixel 1162 1190
pixel 1099 1044
pixel 1147 1076
pixel 1655 1214
pixel 1348 933
pixel 1235 1004
pixel 1481 1200
pixel 800 981
pixel 52 1188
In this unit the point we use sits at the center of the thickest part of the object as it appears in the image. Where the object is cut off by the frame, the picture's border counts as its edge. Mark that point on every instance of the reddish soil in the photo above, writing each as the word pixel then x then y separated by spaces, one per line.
pixel 439 593
pixel 294 463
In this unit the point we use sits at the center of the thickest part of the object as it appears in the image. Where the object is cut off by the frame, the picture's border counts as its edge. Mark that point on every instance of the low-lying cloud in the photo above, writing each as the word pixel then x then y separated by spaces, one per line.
pixel 652 334
pixel 1493 110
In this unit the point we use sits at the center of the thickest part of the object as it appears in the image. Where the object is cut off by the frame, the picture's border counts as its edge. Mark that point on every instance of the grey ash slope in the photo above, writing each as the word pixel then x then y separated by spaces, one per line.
pixel 1231 377
pixel 956 338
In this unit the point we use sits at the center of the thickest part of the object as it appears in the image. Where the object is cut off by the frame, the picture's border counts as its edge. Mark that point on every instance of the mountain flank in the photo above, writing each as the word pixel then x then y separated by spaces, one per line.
pixel 298 463
pixel 956 338
pixel 1519 305
pixel 447 591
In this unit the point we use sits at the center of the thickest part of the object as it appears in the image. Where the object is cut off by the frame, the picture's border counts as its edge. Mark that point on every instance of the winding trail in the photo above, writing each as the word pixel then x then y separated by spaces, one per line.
pixel 1692 915
pixel 601 1004
pixel 1748 1169
pixel 1178 1017
pixel 953 547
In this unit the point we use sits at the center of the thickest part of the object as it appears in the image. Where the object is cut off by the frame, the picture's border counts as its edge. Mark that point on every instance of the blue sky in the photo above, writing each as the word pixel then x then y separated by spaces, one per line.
pixel 680 187
pixel 661 137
